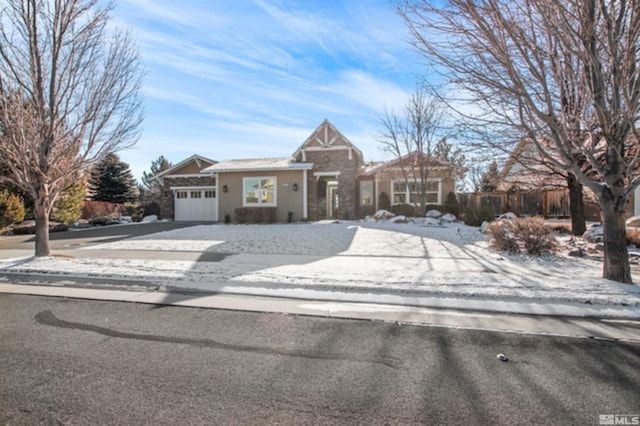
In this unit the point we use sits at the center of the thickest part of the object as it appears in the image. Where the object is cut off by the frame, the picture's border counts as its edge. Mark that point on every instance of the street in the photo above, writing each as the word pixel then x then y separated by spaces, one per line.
pixel 91 362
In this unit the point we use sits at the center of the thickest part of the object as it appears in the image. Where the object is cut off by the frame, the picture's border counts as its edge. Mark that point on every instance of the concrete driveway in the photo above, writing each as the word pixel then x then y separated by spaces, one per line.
pixel 70 240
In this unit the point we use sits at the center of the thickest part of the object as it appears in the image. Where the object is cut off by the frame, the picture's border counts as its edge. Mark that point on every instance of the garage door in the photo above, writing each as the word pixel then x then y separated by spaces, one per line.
pixel 196 204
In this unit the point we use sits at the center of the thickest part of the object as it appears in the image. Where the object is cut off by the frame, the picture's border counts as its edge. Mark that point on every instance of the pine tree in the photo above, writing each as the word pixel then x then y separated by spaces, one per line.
pixel 68 207
pixel 157 166
pixel 490 178
pixel 112 180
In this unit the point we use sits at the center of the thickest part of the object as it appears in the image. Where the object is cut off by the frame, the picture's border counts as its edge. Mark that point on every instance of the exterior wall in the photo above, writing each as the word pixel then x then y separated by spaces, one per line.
pixel 167 201
pixel 334 161
pixel 191 168
pixel 287 199
pixel 384 182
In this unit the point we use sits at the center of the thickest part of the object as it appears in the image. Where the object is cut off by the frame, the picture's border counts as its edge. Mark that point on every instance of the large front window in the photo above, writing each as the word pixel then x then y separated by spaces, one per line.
pixel 259 191
pixel 404 193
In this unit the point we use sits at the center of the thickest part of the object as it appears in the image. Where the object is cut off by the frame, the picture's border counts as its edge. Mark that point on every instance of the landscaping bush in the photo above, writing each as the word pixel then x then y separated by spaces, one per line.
pixel 103 221
pixel 384 203
pixel 11 209
pixel 256 215
pixel 151 208
pixel 530 234
pixel 403 210
pixel 68 207
pixel 30 228
pixel 503 237
pixel 475 216
pixel 135 210
pixel 451 204
pixel 367 211
pixel 92 209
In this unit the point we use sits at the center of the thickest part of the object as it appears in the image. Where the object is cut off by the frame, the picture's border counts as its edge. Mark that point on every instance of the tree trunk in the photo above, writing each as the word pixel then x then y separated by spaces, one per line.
pixel 42 211
pixel 616 256
pixel 576 206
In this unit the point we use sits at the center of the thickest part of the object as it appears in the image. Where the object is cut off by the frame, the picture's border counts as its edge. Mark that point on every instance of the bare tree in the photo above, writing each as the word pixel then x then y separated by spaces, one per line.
pixel 564 70
pixel 69 94
pixel 411 138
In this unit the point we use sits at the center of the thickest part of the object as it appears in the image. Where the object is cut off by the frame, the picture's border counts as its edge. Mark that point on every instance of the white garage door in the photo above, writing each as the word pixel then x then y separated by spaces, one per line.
pixel 196 204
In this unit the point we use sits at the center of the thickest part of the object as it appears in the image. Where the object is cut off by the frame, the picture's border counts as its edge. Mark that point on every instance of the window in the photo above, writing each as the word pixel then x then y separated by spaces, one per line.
pixel 366 193
pixel 410 194
pixel 210 194
pixel 259 191
pixel 196 194
pixel 181 194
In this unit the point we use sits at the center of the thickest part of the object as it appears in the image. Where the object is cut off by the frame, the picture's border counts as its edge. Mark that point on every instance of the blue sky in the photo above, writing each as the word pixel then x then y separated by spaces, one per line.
pixel 247 79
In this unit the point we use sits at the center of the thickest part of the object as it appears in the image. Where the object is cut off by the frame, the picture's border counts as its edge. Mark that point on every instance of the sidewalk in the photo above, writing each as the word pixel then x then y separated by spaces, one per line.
pixel 623 330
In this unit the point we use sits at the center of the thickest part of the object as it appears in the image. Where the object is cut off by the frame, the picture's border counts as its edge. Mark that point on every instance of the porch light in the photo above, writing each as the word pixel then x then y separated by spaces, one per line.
pixel 225 188
pixel 294 187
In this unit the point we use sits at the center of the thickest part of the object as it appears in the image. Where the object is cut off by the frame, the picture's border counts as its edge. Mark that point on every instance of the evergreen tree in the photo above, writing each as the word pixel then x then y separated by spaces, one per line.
pixel 112 180
pixel 157 166
pixel 490 178
pixel 446 152
pixel 68 207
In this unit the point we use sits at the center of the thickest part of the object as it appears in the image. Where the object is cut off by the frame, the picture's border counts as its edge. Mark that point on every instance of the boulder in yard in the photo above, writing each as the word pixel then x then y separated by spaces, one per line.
pixel 448 218
pixel 594 234
pixel 435 214
pixel 633 221
pixel 150 219
pixel 508 216
pixel 383 215
pixel 399 219
pixel 429 221
pixel 484 227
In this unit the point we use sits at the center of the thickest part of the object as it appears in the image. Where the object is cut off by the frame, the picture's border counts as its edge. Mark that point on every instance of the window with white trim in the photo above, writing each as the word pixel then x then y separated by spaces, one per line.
pixel 410 194
pixel 181 194
pixel 210 194
pixel 366 193
pixel 259 191
pixel 196 194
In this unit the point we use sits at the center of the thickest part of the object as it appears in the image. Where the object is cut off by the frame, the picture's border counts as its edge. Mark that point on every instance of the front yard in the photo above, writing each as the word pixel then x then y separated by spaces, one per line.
pixel 440 266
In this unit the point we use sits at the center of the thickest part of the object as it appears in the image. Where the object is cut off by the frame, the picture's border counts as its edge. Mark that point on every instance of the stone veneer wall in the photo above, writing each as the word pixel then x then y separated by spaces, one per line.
pixel 330 161
pixel 167 201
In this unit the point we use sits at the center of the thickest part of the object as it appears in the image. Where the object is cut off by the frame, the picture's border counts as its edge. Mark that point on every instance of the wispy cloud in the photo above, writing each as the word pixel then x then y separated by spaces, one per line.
pixel 255 77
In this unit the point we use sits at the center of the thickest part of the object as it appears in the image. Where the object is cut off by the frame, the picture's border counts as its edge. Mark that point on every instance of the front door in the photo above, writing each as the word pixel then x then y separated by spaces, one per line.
pixel 332 200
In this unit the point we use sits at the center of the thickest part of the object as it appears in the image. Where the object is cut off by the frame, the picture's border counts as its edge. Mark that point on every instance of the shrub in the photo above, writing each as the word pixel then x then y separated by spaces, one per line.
pixel 367 211
pixel 151 208
pixel 503 237
pixel 30 228
pixel 451 204
pixel 633 236
pixel 227 218
pixel 534 235
pixel 92 209
pixel 403 209
pixel 384 203
pixel 530 234
pixel 289 217
pixel 11 209
pixel 68 207
pixel 475 216
pixel 135 210
pixel 256 215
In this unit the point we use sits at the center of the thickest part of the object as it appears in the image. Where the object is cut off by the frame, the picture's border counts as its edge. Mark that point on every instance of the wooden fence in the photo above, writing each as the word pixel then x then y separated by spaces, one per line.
pixel 552 203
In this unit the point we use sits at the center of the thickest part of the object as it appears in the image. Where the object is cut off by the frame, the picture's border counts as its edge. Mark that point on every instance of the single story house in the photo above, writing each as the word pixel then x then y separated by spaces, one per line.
pixel 325 178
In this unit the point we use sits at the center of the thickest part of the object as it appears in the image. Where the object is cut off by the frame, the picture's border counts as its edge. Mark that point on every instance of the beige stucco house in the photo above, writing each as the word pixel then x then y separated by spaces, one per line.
pixel 326 177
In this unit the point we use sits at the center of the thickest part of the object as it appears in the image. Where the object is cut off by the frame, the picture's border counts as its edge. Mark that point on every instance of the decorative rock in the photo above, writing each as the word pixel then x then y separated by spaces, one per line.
pixel 448 218
pixel 399 219
pixel 150 219
pixel 508 216
pixel 594 235
pixel 435 214
pixel 502 357
pixel 429 221
pixel 633 221
pixel 383 215
pixel 576 253
pixel 484 226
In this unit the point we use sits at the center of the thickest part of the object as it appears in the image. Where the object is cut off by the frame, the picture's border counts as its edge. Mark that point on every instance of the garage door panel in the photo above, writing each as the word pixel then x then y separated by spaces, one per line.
pixel 196 204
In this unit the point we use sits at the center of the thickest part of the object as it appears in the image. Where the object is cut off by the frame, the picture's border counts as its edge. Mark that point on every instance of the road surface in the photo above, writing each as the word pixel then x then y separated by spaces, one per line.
pixel 90 362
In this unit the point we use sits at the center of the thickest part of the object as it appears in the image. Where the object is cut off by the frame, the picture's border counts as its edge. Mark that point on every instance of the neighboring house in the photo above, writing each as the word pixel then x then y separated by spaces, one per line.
pixel 325 178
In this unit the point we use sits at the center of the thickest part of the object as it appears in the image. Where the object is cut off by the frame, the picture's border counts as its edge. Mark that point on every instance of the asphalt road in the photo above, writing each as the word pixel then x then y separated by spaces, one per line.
pixel 87 362
pixel 102 234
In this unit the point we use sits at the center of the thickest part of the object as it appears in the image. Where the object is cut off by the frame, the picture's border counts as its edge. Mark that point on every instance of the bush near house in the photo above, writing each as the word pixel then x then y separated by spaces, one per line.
pixel 11 209
pixel 474 216
pixel 384 203
pixel 135 210
pixel 256 215
pixel 404 210
pixel 530 234
pixel 68 208
pixel 451 204
pixel 93 209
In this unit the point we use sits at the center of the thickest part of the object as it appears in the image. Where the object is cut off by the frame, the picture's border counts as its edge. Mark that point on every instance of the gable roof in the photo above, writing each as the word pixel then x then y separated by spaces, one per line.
pixel 194 158
pixel 258 165
pixel 326 136
pixel 409 160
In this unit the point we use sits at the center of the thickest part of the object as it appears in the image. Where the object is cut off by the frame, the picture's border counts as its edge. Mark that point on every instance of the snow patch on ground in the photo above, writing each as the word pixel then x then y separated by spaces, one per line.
pixel 381 262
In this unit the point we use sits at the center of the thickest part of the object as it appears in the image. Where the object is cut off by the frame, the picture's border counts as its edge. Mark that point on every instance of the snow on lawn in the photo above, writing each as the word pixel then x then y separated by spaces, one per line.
pixel 446 266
